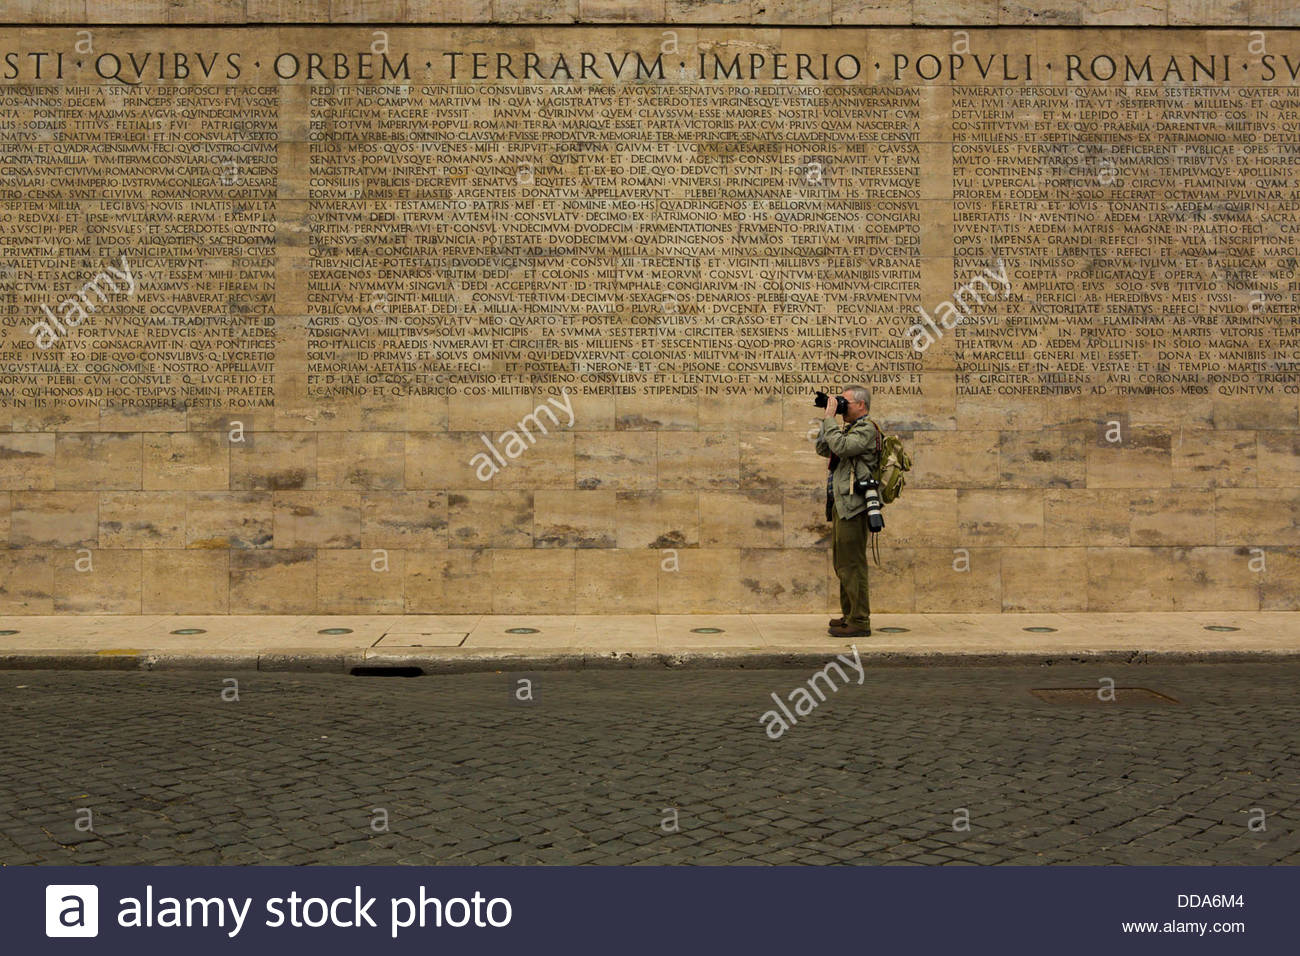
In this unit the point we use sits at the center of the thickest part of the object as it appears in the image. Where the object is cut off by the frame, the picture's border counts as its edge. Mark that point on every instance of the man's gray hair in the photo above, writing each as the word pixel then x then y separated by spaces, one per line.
pixel 860 393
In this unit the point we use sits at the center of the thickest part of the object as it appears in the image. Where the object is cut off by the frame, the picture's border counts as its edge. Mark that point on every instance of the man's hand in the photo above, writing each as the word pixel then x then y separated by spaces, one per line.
pixel 830 407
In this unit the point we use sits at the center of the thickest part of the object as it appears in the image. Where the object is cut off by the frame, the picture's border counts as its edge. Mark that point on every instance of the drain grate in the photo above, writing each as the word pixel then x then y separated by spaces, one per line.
pixel 1088 695
pixel 387 672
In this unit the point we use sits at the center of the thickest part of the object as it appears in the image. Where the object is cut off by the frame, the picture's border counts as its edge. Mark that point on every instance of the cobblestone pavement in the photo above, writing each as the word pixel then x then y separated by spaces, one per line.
pixel 595 770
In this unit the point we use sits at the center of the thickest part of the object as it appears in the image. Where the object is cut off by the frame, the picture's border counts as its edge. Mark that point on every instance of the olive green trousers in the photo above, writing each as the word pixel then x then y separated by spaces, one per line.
pixel 849 555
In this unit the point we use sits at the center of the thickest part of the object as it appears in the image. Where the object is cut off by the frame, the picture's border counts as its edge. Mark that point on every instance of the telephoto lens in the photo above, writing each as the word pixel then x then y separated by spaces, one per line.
pixel 875 520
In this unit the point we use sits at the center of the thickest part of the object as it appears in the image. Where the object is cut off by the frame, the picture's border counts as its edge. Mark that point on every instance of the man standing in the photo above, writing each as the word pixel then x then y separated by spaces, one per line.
pixel 852 449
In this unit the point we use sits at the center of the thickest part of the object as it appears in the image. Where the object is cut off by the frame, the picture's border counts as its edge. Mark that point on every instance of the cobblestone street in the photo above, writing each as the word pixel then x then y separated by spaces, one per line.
pixel 613 767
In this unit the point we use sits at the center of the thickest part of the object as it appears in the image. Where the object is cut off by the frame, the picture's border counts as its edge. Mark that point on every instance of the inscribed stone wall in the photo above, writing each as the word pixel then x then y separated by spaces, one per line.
pixel 490 319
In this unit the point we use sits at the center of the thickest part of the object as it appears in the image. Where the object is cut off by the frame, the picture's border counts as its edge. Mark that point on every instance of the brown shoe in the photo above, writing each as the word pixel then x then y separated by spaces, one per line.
pixel 847 631
pixel 836 622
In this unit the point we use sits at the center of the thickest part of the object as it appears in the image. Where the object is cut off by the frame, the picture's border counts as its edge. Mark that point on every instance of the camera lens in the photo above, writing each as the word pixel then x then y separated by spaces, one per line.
pixel 875 520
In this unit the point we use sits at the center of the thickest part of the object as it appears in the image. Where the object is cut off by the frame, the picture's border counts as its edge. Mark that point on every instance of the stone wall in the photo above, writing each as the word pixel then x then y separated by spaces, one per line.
pixel 257 419
pixel 1276 13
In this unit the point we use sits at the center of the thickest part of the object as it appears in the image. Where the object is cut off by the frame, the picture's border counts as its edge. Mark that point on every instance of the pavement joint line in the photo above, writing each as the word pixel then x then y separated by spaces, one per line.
pixel 477 661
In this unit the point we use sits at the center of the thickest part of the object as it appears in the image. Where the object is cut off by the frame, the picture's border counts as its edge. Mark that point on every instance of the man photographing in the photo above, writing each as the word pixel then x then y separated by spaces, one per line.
pixel 854 452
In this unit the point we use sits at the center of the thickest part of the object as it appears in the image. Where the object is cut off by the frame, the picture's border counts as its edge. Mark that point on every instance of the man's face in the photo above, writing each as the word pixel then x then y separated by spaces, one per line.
pixel 855 410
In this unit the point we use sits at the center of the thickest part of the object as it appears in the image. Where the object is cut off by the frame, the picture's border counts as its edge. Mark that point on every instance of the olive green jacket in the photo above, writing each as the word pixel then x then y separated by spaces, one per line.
pixel 855 445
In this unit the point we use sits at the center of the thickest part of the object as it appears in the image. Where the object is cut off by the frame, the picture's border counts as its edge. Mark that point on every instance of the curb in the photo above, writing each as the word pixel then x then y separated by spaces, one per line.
pixel 308 661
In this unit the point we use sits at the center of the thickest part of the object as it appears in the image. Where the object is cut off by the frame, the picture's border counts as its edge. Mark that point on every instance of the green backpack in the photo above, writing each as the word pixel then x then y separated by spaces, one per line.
pixel 891 464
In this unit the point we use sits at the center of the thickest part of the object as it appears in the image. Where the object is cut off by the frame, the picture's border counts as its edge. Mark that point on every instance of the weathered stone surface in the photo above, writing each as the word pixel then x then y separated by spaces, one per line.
pixel 810 12
pixel 301 329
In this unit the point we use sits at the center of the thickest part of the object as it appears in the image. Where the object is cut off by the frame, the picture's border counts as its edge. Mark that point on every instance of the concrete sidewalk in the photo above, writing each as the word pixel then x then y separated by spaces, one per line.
pixel 459 643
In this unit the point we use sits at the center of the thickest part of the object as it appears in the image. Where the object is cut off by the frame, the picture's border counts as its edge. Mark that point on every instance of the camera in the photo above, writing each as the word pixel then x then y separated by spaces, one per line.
pixel 821 398
pixel 870 489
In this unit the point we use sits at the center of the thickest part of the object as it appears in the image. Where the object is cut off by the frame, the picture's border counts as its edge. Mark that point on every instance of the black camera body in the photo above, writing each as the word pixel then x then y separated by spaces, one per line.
pixel 821 398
